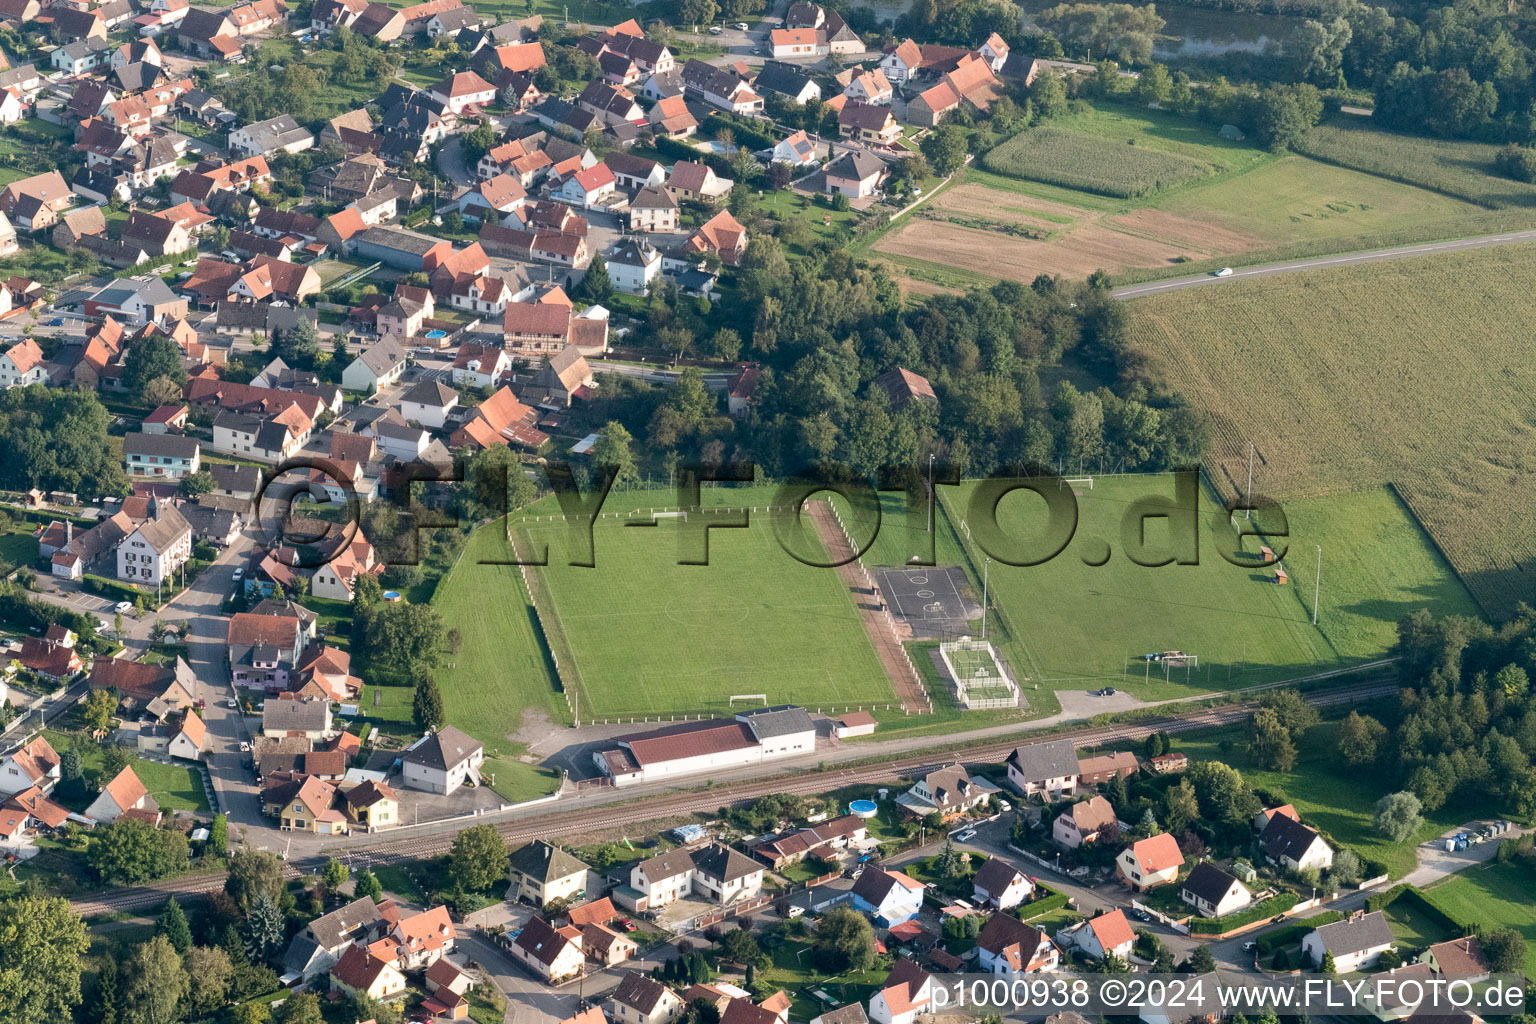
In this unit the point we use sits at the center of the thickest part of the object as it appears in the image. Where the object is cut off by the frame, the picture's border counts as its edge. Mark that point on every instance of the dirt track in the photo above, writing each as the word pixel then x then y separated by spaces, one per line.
pixel 877 621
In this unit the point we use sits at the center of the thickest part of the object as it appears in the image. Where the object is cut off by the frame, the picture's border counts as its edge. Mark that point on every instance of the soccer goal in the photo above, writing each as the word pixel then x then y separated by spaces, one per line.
pixel 679 514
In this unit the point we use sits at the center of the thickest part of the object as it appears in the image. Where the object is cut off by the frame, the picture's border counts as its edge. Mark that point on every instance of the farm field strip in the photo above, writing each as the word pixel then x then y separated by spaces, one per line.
pixel 1074 159
pixel 1455 168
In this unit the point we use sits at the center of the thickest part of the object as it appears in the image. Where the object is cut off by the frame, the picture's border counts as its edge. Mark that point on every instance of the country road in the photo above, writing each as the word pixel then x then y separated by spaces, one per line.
pixel 1136 291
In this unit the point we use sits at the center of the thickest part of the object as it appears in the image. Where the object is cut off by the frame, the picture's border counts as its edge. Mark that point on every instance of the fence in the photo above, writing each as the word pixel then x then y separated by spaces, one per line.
pixel 661 510
pixel 555 641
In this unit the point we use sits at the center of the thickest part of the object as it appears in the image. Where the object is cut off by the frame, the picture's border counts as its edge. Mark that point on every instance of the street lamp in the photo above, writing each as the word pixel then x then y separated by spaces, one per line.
pixel 930 492
pixel 1317 583
pixel 986 571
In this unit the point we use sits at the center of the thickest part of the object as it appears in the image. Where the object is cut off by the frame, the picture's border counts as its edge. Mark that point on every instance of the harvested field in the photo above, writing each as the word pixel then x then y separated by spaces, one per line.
pixel 981 201
pixel 1414 373
pixel 1085 249
pixel 1184 231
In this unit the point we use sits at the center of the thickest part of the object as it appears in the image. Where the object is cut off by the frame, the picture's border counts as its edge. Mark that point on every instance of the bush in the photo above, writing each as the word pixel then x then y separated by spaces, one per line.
pixel 1051 900
pixel 1259 911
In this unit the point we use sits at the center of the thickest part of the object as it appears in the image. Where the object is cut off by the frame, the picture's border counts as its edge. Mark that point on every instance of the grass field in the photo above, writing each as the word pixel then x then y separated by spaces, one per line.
pixel 1441 399
pixel 1498 895
pixel 1093 163
pixel 1072 625
pixel 175 787
pixel 650 635
pixel 1339 802
pixel 1456 168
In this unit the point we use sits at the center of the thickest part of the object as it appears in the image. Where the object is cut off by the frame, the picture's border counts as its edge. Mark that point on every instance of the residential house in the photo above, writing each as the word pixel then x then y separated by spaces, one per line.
pixel 563 378
pixel 797 150
pixel 640 999
pixel 122 794
pixel 359 972
pixel 1000 885
pixel 1049 769
pixel 1356 942
pixel 1007 945
pixel 1164 764
pixel 1148 863
pixel 788 80
pixel 970 83
pixel 949 791
pixel 1107 934
pixel 871 125
pixel 672 118
pixel 720 87
pixel 308 718
pixel 1458 959
pixel 157 455
pixel 157 548
pixel 23 364
pixel 463 89
pixel 263 649
pixel 653 210
pixel 442 761
pixel 633 264
pixel 372 806
pixel 555 956
pixel 377 366
pixel 823 840
pixel 739 393
pixel 1289 843
pixel 280 134
pixel 500 419
pixel 995 52
pixel 869 86
pixel 430 403
pixel 1083 822
pixel 715 872
pixel 323 941
pixel 906 992
pixel 902 386
pixel 698 182
pixel 1091 771
pixel 887 895
pixel 1213 892
pixel 35 764
pixel 401 249
pixel 480 366
pixel 722 235
pixel 75 225
pixel 543 873
pixel 856 174
pixel 137 301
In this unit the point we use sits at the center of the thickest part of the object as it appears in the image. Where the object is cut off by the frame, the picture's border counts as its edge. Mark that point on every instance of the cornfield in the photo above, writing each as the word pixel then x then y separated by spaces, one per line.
pixel 1414 373
pixel 1060 156
pixel 1462 170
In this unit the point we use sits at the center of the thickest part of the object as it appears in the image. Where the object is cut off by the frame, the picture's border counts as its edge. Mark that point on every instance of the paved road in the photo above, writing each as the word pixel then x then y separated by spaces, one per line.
pixel 1136 291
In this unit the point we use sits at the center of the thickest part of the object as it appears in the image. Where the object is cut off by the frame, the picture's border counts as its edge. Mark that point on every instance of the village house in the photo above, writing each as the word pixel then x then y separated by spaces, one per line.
pixel 640 999
pixel 360 973
pixel 122 794
pixel 1007 945
pixel 887 895
pixel 153 552
pixel 1213 892
pixel 873 126
pixel 35 764
pixel 1289 843
pixel 1049 769
pixel 950 791
pixel 542 873
pixel 906 992
pixel 1148 863
pixel 1356 942
pixel 1107 934
pixel 552 954
pixel 716 872
pixel 1082 822
pixel 1091 771
pixel 856 174
pixel 443 761
pixel 1000 885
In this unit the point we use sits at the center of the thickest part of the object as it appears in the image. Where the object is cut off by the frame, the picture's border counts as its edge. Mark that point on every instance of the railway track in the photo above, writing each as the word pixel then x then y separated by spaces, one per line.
pixel 393 851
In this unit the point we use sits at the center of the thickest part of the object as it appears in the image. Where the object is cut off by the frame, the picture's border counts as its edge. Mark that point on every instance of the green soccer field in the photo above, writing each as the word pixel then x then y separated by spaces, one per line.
pixel 1067 624
pixel 651 636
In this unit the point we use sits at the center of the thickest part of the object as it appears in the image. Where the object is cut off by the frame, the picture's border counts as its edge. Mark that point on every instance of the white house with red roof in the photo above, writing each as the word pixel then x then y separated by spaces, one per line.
pixel 23 364
pixel 1148 863
pixel 1098 936
pixel 462 90
pixel 907 992
pixel 36 764
pixel 124 793
pixel 586 188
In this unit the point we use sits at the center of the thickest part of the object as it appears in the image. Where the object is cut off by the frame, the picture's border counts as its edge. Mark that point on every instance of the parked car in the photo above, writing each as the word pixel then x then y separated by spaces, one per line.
pixel 122 607
pixel 1139 914
pixel 1249 947
pixel 715 30
pixel 741 26
pixel 239 575
pixel 231 703
pixel 57 321
pixel 201 704
pixel 245 748
pixel 626 924
pixel 966 836
pixel 1004 805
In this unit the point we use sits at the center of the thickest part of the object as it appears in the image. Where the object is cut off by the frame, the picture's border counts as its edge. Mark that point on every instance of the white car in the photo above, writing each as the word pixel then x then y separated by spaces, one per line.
pixel 239 574
pixel 122 607
pixel 1223 272
pixel 232 703
pixel 966 836
pixel 715 30
pixel 741 26
pixel 1004 805
pixel 245 747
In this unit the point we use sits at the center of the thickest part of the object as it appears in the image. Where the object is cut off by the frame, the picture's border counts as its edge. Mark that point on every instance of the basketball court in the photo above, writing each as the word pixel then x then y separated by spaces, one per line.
pixel 931 600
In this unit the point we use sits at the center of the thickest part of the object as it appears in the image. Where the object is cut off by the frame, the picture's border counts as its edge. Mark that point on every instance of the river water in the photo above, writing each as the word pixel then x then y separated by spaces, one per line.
pixel 1198 32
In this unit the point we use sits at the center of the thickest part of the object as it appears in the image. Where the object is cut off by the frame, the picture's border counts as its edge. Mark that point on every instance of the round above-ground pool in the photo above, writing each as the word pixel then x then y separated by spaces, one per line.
pixel 863 808
pixel 391 595
pixel 435 334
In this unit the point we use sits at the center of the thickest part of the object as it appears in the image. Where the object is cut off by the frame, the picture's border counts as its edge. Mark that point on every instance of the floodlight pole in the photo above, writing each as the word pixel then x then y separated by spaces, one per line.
pixel 1248 512
pixel 930 492
pixel 1317 583
pixel 986 570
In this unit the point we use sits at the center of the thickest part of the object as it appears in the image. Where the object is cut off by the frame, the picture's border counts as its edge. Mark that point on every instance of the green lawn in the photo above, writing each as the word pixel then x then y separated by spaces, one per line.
pixel 517 780
pixel 1337 801
pixel 1498 895
pixel 398 880
pixel 1413 926
pixel 650 635
pixel 18 548
pixel 501 669
pixel 175 787
pixel 1068 624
